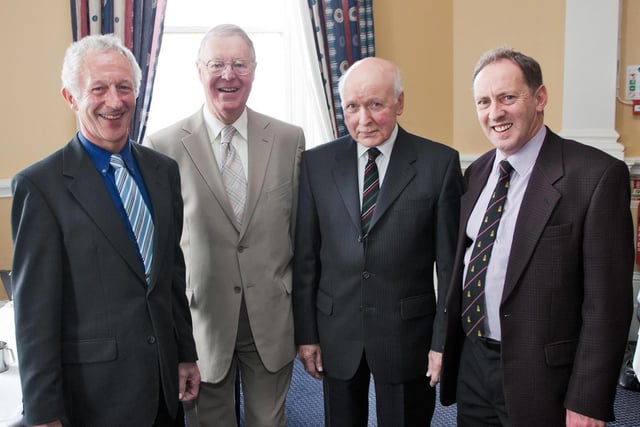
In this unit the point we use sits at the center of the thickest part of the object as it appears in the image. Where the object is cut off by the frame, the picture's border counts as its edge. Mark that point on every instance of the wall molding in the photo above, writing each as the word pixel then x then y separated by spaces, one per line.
pixel 5 188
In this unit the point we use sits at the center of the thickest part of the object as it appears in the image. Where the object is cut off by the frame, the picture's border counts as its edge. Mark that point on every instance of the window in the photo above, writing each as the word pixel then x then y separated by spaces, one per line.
pixel 286 84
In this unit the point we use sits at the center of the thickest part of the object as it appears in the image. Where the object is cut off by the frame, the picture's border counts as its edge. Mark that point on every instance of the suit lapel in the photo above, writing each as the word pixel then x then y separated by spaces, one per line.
pixel 89 190
pixel 260 145
pixel 400 172
pixel 475 186
pixel 198 147
pixel 539 202
pixel 160 197
pixel 345 178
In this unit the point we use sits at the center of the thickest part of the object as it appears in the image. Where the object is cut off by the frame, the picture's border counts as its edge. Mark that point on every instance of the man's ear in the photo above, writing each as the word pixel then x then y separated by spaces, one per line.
pixel 541 98
pixel 71 101
pixel 400 103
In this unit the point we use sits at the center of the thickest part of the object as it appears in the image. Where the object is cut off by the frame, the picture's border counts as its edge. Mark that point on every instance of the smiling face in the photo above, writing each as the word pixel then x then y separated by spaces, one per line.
pixel 509 112
pixel 105 101
pixel 226 94
pixel 370 103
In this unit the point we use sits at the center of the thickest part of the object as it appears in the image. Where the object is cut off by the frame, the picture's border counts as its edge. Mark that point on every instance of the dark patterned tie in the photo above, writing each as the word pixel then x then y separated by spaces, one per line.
pixel 370 189
pixel 473 313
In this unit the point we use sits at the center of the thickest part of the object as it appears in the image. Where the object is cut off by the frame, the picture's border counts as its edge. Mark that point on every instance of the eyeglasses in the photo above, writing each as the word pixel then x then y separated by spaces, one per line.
pixel 216 67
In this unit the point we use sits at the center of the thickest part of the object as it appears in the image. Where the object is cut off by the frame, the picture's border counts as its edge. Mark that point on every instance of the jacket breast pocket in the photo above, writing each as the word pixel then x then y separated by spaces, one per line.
pixel 89 351
pixel 556 231
pixel 412 204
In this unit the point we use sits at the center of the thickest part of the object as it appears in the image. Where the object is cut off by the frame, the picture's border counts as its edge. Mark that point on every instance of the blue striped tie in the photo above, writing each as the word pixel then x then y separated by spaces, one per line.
pixel 139 216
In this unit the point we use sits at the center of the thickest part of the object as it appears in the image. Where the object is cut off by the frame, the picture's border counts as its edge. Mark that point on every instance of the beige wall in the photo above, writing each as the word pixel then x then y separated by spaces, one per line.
pixel 535 28
pixel 35 119
pixel 435 43
pixel 418 38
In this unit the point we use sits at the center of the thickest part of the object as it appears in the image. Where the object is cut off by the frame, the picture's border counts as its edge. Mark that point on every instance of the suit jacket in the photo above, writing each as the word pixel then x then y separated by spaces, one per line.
pixel 97 345
pixel 375 294
pixel 225 262
pixel 567 301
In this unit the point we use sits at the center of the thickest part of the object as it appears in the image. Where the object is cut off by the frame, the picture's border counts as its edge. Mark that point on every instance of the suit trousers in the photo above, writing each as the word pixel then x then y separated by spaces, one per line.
pixel 346 402
pixel 480 394
pixel 264 392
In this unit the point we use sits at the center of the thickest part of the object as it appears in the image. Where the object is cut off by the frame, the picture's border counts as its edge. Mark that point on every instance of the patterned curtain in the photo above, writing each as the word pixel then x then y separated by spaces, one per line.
pixel 343 34
pixel 139 24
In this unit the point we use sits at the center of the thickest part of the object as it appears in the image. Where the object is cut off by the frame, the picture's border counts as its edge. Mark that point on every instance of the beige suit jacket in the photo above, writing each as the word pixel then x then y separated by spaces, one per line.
pixel 224 262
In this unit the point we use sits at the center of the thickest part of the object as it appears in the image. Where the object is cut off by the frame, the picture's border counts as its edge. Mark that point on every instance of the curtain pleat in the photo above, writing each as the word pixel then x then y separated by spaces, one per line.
pixel 139 24
pixel 344 34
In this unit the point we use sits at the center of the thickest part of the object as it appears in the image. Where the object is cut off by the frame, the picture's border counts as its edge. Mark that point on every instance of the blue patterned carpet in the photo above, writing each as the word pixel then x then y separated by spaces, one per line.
pixel 305 409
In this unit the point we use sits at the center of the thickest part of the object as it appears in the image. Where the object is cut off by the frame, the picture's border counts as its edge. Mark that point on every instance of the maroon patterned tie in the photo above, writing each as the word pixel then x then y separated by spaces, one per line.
pixel 370 189
pixel 473 313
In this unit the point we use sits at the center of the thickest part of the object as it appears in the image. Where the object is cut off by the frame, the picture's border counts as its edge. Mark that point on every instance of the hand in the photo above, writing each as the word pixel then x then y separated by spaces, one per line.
pixel 434 368
pixel 575 419
pixel 188 381
pixel 311 357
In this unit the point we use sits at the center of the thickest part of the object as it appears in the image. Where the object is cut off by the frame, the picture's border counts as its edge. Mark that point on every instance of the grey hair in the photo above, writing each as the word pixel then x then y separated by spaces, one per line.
pixel 226 30
pixel 529 66
pixel 397 81
pixel 96 43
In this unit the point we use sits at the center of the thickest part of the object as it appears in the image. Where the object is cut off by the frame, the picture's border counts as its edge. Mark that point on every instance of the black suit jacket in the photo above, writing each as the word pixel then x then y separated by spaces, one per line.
pixel 567 301
pixel 96 344
pixel 375 294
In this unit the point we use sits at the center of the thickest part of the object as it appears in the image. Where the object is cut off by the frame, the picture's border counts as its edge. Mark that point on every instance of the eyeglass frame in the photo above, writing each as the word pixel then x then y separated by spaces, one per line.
pixel 250 63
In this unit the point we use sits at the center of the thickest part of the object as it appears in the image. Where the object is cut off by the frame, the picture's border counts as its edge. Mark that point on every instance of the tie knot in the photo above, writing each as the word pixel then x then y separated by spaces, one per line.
pixel 505 168
pixel 373 153
pixel 227 134
pixel 116 161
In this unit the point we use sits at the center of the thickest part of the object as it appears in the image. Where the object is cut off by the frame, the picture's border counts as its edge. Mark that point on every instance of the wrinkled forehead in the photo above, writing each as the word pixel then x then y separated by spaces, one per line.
pixel 226 47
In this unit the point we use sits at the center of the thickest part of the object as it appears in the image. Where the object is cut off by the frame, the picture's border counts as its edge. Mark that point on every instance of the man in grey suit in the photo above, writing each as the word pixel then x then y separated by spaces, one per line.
pixel 557 288
pixel 239 211
pixel 103 333
pixel 364 298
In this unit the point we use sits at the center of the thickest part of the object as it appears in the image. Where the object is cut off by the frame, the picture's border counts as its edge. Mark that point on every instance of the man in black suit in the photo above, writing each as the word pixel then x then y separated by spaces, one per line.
pixel 363 290
pixel 557 293
pixel 103 333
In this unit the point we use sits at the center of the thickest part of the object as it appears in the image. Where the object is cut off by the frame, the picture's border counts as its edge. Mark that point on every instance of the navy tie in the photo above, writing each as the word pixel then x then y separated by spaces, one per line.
pixel 473 313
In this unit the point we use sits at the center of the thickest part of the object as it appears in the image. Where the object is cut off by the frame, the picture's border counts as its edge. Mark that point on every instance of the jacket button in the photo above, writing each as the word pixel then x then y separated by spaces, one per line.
pixel 151 340
pixel 366 275
pixel 237 289
pixel 241 249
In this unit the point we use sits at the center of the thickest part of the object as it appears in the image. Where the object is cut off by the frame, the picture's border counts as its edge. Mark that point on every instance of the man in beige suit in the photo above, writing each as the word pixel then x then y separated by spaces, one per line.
pixel 239 209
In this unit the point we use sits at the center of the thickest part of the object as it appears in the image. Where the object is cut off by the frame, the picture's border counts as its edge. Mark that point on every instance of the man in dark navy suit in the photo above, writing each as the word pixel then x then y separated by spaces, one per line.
pixel 364 300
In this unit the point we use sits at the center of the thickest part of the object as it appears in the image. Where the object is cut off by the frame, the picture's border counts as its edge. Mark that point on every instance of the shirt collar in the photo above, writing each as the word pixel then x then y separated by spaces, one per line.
pixel 385 148
pixel 214 126
pixel 524 159
pixel 101 157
